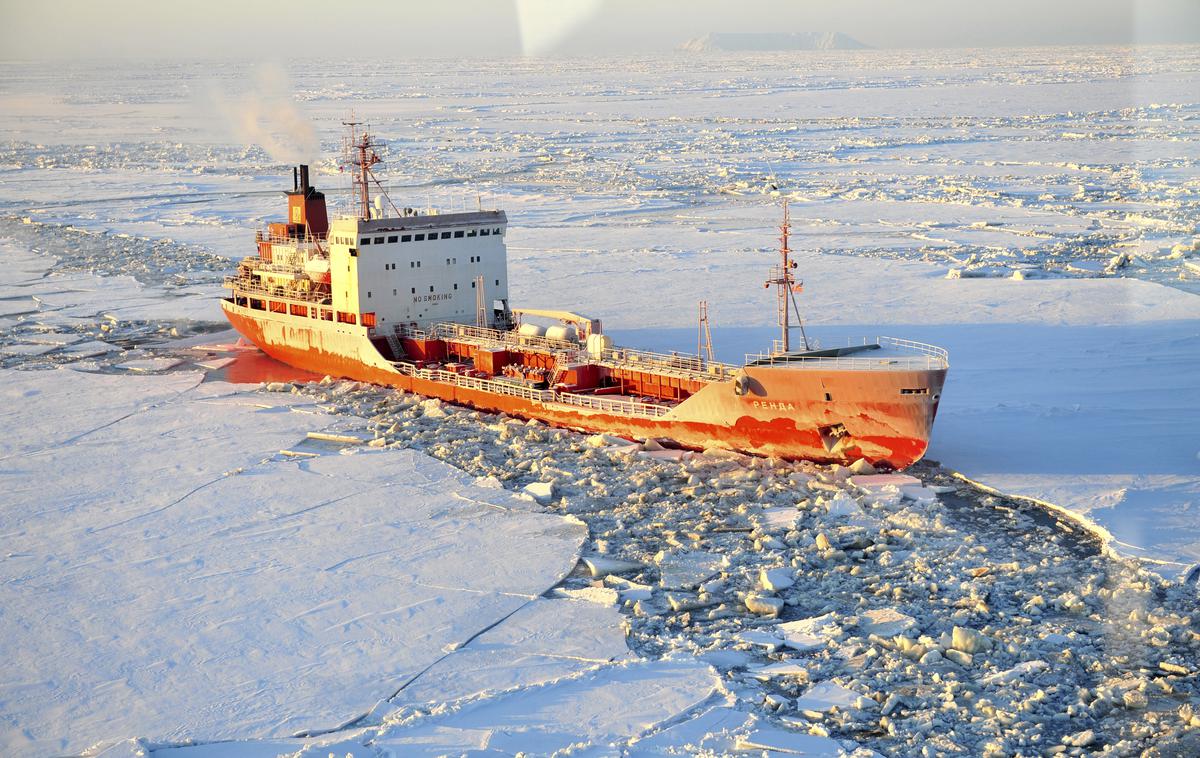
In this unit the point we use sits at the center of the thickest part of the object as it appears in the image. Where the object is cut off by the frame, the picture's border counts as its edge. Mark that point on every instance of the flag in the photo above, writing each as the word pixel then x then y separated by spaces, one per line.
pixel 798 288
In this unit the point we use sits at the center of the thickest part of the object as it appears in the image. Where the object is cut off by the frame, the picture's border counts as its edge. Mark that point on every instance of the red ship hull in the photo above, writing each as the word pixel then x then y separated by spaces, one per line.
pixel 826 415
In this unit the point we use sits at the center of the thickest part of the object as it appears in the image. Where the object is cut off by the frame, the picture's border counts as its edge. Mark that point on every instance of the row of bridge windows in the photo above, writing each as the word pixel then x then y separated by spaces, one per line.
pixel 417 237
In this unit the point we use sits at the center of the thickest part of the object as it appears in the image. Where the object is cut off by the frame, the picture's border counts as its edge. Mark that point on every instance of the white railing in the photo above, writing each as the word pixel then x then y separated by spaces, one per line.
pixel 510 389
pixel 613 405
pixel 242 286
pixel 690 366
pixel 921 357
pixel 502 338
pixel 300 243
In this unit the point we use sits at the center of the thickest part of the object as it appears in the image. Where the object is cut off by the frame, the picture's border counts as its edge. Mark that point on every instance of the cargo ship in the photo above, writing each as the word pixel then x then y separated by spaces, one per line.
pixel 419 300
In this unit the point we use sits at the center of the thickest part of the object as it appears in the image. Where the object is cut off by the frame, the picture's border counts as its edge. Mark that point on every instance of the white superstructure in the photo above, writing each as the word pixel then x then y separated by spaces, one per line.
pixel 416 270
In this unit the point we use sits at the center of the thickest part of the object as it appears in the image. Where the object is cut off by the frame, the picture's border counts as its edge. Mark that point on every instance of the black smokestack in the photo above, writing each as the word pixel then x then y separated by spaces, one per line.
pixel 295 180
pixel 304 178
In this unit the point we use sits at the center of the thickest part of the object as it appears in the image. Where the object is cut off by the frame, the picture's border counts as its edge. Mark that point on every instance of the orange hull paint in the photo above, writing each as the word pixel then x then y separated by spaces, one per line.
pixel 782 413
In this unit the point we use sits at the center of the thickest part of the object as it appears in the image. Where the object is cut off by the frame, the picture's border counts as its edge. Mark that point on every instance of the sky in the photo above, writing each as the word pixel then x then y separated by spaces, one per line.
pixel 87 29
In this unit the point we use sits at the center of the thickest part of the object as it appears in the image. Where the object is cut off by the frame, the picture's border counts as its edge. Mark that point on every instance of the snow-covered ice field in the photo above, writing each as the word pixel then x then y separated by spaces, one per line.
pixel 183 564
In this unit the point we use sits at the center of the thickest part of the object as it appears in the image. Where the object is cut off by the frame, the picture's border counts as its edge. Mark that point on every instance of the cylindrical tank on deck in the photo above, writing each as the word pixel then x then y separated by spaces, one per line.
pixel 564 332
pixel 530 330
pixel 597 344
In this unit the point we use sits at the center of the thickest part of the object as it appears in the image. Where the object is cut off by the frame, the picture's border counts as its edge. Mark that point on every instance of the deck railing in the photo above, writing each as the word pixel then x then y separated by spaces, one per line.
pixel 914 356
pixel 502 338
pixel 244 286
pixel 919 357
pixel 304 242
pixel 510 389
pixel 689 366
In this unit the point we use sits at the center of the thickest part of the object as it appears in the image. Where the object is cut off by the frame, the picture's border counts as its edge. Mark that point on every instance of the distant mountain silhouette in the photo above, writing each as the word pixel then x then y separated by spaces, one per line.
pixel 766 41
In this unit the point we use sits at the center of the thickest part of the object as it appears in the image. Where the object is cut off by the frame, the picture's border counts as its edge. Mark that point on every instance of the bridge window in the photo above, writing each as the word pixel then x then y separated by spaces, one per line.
pixel 420 238
pixel 379 240
pixel 393 238
pixel 364 241
pixel 484 232
pixel 406 238
pixel 471 233
pixel 458 234
pixel 445 235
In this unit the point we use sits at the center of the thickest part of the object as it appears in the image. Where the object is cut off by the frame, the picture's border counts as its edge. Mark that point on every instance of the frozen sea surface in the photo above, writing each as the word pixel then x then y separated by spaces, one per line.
pixel 1053 162
pixel 1033 211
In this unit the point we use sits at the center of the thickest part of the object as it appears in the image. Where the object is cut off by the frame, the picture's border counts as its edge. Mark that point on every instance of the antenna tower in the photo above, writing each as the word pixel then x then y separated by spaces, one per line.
pixel 703 335
pixel 786 286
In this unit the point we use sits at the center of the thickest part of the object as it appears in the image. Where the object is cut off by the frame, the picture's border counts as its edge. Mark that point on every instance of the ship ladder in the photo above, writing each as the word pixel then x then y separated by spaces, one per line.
pixel 397 348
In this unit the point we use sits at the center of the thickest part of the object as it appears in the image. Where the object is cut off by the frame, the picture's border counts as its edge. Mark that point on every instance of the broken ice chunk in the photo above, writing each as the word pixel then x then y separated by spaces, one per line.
pixel 600 566
pixel 761 639
pixel 773 580
pixel 776 519
pixel 686 570
pixel 878 482
pixel 664 455
pixel 919 494
pixel 599 595
pixel 969 640
pixel 681 602
pixel 843 505
pixel 825 696
pixel 806 635
pixel 629 591
pixel 609 440
pixel 1020 671
pixel 150 364
pixel 783 668
pixel 862 467
pixel 773 740
pixel 541 492
pixel 90 349
pixel 885 622
pixel 763 606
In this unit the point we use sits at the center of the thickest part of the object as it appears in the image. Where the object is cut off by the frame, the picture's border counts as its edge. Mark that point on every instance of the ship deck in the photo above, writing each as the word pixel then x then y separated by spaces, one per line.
pixel 614 379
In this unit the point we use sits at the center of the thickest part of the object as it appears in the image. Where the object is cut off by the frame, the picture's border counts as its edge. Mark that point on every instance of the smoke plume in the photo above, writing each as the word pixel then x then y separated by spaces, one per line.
pixel 268 116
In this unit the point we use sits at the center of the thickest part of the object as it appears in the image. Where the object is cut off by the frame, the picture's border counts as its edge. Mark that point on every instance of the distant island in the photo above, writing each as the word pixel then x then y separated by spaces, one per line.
pixel 768 41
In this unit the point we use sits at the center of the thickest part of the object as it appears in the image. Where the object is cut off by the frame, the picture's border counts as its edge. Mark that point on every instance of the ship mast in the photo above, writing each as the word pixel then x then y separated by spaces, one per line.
pixel 360 153
pixel 781 277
